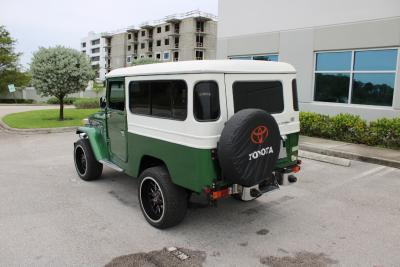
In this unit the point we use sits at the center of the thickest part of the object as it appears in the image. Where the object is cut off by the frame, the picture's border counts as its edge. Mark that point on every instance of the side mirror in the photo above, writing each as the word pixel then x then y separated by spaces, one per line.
pixel 102 102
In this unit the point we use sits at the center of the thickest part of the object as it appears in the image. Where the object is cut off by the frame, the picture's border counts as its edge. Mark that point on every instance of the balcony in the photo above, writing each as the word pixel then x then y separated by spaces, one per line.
pixel 200 45
pixel 174 32
pixel 200 31
pixel 175 46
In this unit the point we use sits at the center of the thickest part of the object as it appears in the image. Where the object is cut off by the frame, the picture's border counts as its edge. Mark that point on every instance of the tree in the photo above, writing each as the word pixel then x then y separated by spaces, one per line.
pixel 59 71
pixel 97 88
pixel 9 67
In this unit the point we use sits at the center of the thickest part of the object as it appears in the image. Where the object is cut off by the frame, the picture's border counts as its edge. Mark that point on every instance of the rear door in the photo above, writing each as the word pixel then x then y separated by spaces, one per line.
pixel 116 120
pixel 269 92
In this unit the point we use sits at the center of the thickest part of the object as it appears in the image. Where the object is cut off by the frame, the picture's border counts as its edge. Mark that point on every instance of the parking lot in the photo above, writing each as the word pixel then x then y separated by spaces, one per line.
pixel 347 216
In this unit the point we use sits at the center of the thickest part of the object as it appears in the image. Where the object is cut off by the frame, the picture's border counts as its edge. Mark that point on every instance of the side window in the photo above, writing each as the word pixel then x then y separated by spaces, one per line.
pixel 165 98
pixel 206 101
pixel 295 97
pixel 139 98
pixel 116 95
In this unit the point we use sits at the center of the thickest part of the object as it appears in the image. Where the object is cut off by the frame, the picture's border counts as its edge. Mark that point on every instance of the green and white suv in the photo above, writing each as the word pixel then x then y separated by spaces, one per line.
pixel 219 128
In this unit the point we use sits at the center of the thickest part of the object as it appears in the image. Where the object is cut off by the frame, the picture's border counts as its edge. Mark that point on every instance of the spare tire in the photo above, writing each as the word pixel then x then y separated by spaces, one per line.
pixel 249 147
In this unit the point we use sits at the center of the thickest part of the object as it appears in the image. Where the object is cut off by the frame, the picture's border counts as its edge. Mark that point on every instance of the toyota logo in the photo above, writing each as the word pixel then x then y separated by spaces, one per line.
pixel 259 134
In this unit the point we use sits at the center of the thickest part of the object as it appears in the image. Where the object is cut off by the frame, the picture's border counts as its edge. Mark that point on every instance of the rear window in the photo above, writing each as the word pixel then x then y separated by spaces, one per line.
pixel 265 95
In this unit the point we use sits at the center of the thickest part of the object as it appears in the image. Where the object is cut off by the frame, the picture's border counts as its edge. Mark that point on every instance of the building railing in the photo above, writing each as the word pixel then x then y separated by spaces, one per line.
pixel 193 13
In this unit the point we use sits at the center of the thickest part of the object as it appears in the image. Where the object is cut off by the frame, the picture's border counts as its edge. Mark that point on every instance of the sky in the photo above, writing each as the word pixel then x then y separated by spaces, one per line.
pixel 44 23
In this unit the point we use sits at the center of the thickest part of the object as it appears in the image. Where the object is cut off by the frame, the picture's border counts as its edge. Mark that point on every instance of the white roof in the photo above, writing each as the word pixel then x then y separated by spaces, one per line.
pixel 205 66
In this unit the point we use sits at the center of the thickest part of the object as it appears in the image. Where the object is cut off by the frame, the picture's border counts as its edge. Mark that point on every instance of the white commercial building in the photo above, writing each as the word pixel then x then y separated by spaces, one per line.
pixel 96 46
pixel 346 52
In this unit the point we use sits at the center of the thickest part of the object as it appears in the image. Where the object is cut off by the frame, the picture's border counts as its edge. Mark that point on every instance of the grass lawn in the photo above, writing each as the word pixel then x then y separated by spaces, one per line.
pixel 47 118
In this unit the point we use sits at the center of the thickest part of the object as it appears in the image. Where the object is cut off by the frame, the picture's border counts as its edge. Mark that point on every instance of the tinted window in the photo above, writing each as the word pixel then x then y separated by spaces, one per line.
pixel 167 99
pixel 294 94
pixel 334 61
pixel 373 88
pixel 375 60
pixel 139 97
pixel 206 101
pixel 116 97
pixel 266 95
pixel 266 57
pixel 332 87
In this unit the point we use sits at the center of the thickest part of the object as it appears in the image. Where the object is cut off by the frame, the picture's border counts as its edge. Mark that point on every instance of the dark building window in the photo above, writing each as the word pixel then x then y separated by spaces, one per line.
pixel 158 42
pixel 271 57
pixel 206 101
pixel 142 45
pixel 356 77
pixel 94 59
pixel 143 33
pixel 165 98
pixel 96 42
pixel 166 28
pixel 158 29
pixel 166 41
pixel 265 95
pixel 129 48
pixel 129 36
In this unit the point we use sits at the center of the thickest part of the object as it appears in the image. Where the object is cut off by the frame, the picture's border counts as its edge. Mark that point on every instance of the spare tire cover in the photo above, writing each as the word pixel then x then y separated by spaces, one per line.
pixel 249 147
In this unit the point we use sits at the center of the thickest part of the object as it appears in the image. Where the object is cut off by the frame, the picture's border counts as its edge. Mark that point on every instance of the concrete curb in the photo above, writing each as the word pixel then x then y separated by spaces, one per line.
pixel 350 155
pixel 324 158
pixel 6 128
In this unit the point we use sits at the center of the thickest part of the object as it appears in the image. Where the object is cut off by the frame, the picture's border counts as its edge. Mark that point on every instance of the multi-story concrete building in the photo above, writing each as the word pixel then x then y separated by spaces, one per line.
pixel 187 36
pixel 346 52
pixel 96 46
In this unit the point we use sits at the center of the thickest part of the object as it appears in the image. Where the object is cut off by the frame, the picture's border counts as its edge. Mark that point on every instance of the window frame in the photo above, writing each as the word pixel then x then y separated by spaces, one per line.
pixel 163 56
pixel 219 101
pixel 127 102
pixel 352 71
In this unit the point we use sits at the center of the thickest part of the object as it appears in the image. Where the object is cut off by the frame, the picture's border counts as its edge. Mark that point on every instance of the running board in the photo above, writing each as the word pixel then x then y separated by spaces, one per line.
pixel 111 165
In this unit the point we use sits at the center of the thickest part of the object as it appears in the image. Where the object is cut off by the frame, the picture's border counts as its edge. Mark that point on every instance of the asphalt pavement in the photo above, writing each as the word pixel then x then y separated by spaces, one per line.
pixel 333 216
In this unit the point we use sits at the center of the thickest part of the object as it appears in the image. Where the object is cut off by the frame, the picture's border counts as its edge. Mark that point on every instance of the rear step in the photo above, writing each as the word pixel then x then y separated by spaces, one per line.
pixel 111 165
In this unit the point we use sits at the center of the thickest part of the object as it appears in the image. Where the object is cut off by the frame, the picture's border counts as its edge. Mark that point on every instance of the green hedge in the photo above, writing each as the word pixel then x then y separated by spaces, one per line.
pixel 86 103
pixel 353 129
pixel 67 100
pixel 19 101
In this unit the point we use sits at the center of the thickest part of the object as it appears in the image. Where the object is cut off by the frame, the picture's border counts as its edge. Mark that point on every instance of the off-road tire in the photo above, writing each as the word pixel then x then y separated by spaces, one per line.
pixel 174 198
pixel 92 169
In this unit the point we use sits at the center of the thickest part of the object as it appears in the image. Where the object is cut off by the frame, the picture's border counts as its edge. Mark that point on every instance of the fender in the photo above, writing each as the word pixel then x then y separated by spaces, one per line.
pixel 96 140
